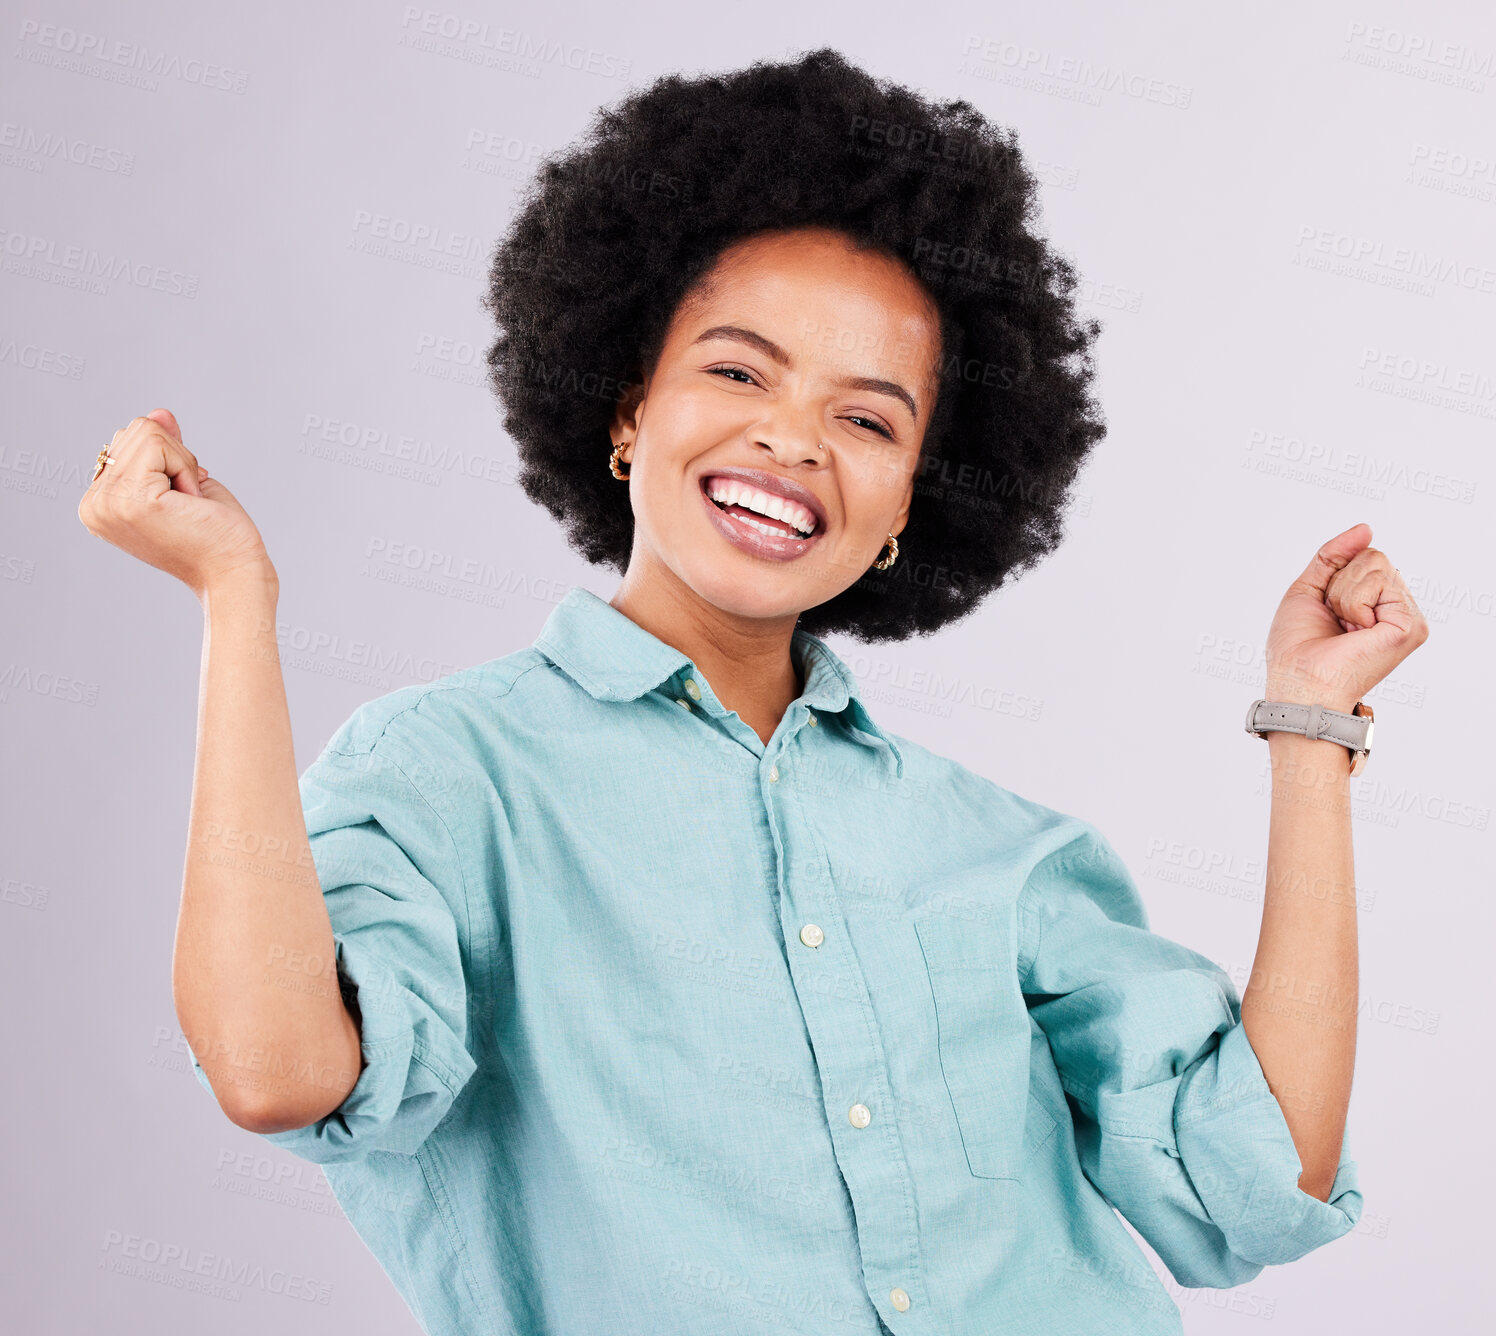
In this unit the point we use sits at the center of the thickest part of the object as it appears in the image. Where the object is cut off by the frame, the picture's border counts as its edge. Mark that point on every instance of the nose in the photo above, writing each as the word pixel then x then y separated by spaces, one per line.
pixel 789 455
pixel 792 438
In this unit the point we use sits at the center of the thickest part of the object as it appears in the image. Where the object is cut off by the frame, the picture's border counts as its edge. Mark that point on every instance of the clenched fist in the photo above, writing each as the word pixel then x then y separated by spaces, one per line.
pixel 156 502
pixel 1343 625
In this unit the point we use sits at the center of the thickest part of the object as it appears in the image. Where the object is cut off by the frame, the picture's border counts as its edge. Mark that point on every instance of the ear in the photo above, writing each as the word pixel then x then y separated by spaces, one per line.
pixel 628 412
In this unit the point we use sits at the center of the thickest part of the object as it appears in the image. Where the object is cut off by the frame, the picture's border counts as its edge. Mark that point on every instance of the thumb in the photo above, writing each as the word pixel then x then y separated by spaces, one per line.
pixel 1333 556
pixel 167 419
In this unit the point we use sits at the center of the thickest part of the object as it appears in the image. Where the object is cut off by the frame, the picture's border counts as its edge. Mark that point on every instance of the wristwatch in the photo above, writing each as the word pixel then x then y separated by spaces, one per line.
pixel 1352 731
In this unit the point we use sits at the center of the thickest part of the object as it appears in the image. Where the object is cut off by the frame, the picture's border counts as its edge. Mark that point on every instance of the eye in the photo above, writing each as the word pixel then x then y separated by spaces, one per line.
pixel 742 376
pixel 730 371
pixel 872 426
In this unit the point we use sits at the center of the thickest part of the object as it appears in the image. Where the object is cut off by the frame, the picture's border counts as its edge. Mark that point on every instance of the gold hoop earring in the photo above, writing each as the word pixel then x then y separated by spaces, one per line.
pixel 893 555
pixel 613 460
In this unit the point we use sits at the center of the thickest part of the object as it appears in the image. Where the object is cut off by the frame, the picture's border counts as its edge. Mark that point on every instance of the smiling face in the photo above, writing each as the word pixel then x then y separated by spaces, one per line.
pixel 794 385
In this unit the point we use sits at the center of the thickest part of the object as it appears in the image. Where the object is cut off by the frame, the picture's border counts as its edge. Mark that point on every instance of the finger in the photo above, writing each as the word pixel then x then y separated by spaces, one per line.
pixel 180 466
pixel 1347 598
pixel 145 458
pixel 1333 557
pixel 1352 600
pixel 1407 594
pixel 183 479
pixel 168 419
pixel 1382 605
pixel 1369 582
pixel 101 481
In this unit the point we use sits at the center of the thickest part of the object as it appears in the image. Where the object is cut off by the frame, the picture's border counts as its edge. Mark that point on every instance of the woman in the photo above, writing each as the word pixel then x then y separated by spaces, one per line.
pixel 639 980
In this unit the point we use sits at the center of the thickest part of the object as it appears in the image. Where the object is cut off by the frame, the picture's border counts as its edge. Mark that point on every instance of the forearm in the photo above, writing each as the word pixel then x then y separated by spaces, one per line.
pixel 253 971
pixel 1299 1007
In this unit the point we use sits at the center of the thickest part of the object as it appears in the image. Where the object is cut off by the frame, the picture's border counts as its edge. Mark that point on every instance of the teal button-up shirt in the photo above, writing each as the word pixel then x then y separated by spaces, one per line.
pixel 668 1030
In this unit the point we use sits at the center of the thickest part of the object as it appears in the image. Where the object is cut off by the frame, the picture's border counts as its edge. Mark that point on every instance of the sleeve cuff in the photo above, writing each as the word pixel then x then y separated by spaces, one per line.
pixel 414 1067
pixel 1241 1159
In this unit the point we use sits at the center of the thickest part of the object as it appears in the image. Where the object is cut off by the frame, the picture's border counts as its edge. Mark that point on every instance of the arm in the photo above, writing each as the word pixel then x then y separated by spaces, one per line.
pixel 1343 625
pixel 1299 1007
pixel 1178 1122
pixel 1174 1121
pixel 319 968
pixel 253 973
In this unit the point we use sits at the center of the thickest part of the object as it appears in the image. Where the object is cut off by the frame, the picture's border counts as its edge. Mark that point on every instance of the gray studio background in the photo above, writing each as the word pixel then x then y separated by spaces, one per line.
pixel 1285 218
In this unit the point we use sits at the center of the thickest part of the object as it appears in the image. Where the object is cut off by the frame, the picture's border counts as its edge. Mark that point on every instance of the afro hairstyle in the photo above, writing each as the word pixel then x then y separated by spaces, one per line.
pixel 617 228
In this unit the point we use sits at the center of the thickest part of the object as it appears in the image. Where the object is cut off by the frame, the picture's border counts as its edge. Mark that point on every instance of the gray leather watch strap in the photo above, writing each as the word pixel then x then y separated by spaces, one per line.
pixel 1313 721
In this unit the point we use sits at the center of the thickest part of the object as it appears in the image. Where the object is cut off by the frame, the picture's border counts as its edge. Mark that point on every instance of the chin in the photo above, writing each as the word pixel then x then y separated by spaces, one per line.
pixel 770 594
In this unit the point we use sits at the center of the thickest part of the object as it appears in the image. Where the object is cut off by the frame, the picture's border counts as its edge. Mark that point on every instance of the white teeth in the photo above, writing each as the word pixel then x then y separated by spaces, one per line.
pixel 762 528
pixel 766 503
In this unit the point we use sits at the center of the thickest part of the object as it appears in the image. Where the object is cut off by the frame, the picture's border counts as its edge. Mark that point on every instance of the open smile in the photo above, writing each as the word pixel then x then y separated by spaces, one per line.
pixel 757 521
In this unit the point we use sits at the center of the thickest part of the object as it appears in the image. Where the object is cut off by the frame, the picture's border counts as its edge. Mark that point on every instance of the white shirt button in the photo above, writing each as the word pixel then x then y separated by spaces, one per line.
pixel 859 1115
pixel 692 689
pixel 811 935
pixel 685 703
pixel 773 774
pixel 898 1299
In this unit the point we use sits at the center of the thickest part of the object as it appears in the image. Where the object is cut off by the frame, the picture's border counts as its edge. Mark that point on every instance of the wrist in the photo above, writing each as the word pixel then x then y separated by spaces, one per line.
pixel 1304 737
pixel 1302 693
pixel 1314 765
pixel 256 584
pixel 1282 742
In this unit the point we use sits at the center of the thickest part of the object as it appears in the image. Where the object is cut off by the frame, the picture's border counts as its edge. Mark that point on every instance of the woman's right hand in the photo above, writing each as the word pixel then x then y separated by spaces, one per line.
pixel 156 502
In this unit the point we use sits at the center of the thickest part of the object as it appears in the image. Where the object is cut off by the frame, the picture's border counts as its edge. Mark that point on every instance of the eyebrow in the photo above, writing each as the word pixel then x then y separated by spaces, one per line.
pixel 771 349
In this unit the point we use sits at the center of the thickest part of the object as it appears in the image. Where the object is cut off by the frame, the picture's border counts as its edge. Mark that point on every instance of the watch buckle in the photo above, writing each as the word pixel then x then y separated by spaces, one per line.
pixel 1358 758
pixel 1252 710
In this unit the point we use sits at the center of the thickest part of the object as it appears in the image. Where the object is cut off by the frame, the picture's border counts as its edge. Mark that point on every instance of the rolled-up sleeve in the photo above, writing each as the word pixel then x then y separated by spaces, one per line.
pixel 397 899
pixel 1175 1123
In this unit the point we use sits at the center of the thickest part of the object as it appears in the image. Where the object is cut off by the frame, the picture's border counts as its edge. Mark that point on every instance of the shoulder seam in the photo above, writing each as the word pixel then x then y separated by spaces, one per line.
pixel 427 694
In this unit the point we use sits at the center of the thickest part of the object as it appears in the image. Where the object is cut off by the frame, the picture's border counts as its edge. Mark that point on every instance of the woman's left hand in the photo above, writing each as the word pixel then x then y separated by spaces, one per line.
pixel 1342 627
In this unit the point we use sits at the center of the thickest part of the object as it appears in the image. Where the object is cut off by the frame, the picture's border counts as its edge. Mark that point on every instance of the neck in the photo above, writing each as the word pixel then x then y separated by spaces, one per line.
pixel 748 660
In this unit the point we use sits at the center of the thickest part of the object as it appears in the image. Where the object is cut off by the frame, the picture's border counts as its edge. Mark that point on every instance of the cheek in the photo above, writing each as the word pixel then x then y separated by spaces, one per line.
pixel 693 418
pixel 865 512
pixel 873 488
pixel 679 428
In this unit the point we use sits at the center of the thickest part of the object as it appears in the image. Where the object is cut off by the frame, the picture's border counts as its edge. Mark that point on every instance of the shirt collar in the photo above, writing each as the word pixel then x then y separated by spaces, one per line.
pixel 614 658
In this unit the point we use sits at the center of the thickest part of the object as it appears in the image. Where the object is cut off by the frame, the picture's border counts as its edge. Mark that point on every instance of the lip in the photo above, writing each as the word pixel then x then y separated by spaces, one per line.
pixel 772 482
pixel 747 539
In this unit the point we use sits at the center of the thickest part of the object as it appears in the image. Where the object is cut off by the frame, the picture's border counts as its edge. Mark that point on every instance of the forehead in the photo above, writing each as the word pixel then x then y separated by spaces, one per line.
pixel 816 293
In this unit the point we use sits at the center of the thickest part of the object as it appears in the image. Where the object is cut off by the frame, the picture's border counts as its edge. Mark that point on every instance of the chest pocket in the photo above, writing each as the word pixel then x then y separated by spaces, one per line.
pixel 984 1036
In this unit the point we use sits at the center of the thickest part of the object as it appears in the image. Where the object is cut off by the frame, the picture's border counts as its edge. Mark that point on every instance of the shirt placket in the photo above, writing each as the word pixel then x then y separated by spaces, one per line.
pixel 846 1042
pixel 845 1038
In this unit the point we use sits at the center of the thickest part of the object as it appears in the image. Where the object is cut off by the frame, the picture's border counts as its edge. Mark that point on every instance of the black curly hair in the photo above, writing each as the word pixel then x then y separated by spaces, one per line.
pixel 616 229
